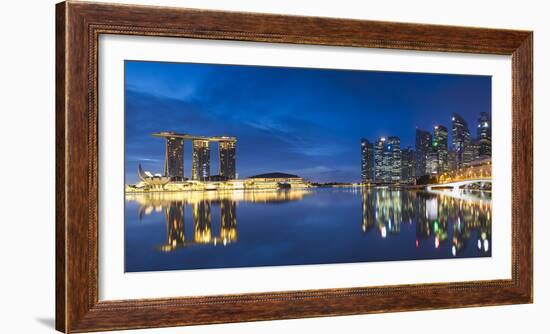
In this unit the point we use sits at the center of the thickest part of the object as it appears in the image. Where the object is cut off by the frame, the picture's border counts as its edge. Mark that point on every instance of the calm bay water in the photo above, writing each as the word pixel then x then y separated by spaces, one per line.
pixel 198 230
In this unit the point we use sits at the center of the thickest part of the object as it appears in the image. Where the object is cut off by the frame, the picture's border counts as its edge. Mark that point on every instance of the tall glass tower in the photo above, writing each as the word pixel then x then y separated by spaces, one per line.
pixel 408 168
pixel 441 148
pixel 394 148
pixel 484 135
pixel 387 159
pixel 367 161
pixel 422 150
pixel 460 141
pixel 382 173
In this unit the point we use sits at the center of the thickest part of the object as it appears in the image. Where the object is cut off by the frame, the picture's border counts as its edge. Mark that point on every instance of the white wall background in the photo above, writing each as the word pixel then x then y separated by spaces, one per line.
pixel 27 71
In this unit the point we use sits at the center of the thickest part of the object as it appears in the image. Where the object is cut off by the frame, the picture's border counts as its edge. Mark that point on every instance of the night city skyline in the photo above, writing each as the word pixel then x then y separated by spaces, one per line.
pixel 307 122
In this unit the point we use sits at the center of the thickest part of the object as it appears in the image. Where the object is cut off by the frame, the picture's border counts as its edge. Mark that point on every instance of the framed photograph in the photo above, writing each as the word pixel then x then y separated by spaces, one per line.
pixel 222 166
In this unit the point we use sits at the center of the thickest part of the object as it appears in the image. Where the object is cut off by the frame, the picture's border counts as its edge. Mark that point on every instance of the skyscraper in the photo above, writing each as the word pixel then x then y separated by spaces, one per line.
pixel 387 159
pixel 432 162
pixel 201 160
pixel 394 146
pixel 367 161
pixel 173 162
pixel 452 160
pixel 468 155
pixel 473 150
pixel 422 147
pixel 226 151
pixel 441 148
pixel 408 167
pixel 484 135
pixel 382 167
pixel 460 140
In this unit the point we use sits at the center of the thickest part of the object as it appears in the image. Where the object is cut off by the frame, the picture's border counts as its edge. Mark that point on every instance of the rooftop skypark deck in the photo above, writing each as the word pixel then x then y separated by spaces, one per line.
pixel 184 136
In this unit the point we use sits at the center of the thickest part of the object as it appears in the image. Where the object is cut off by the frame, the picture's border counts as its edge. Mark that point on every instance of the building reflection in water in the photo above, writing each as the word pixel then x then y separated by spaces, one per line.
pixel 202 204
pixel 175 228
pixel 440 219
pixel 202 219
pixel 228 231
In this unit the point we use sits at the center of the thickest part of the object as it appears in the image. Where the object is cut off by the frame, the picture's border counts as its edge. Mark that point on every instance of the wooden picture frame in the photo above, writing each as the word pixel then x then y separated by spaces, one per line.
pixel 78 27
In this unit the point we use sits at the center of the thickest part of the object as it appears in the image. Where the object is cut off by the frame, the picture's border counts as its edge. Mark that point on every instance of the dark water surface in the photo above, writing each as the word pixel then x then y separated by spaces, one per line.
pixel 198 230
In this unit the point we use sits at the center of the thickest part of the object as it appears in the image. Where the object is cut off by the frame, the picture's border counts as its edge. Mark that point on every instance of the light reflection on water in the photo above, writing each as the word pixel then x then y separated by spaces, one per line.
pixel 196 230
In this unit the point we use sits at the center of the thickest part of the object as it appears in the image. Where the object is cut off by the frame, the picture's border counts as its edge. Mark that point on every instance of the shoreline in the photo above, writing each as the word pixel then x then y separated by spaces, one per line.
pixel 355 186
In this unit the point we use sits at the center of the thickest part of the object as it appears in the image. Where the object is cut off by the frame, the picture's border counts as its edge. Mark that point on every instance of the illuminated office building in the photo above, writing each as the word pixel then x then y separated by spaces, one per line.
pixel 484 136
pixel 452 160
pixel 441 149
pixel 431 162
pixel 408 167
pixel 382 168
pixel 422 151
pixel 468 155
pixel 367 161
pixel 387 160
pixel 473 150
pixel 460 141
pixel 394 146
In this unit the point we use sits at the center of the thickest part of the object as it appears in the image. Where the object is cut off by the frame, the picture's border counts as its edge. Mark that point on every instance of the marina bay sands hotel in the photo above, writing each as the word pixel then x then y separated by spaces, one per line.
pixel 173 163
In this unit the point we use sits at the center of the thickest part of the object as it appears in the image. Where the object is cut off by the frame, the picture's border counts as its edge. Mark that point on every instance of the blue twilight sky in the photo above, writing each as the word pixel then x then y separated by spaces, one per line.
pixel 301 121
